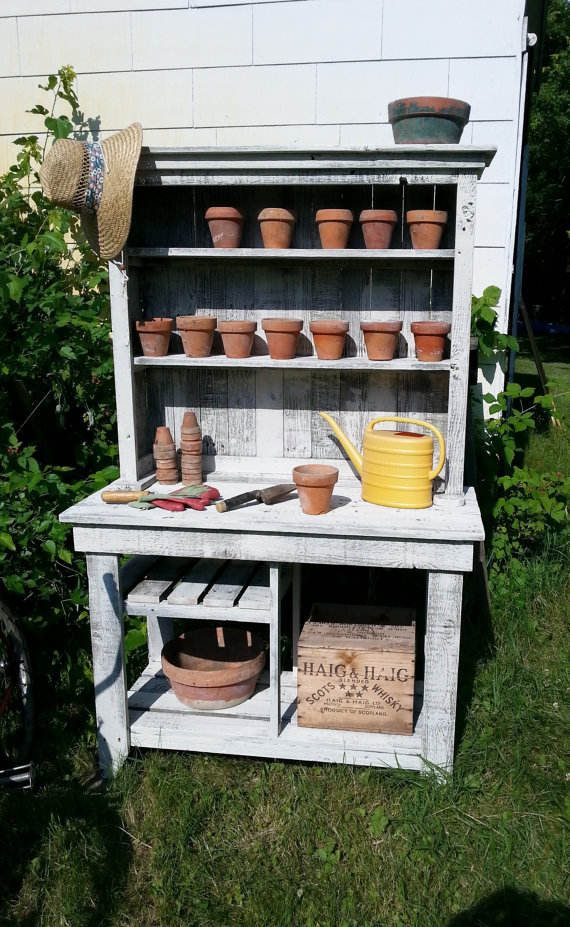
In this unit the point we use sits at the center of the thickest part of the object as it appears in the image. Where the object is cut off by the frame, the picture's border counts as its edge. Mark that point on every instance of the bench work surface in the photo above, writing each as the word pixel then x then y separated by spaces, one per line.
pixel 440 537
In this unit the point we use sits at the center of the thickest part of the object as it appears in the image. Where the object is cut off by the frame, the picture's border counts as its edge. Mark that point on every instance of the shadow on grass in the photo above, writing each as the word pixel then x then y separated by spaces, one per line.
pixel 512 908
pixel 67 828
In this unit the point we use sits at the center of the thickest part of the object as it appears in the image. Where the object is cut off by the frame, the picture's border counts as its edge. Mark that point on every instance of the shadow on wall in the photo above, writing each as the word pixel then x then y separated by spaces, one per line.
pixel 512 908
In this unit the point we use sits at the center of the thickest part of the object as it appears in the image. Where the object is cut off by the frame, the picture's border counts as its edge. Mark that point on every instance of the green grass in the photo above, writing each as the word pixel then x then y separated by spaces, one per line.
pixel 202 841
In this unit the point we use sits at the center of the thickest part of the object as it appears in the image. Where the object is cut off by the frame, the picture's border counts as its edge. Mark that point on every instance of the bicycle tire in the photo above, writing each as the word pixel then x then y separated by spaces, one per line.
pixel 16 693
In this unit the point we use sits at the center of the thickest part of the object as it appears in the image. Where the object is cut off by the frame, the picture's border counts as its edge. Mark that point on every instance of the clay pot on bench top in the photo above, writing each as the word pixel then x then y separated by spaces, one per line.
pixel 315 483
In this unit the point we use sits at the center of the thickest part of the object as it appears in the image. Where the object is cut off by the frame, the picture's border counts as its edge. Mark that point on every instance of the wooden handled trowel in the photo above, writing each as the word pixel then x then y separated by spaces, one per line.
pixel 268 496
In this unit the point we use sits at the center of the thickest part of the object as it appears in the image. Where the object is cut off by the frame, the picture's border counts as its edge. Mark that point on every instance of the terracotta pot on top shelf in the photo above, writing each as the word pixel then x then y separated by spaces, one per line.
pixel 282 337
pixel 381 338
pixel 378 227
pixel 428 120
pixel 430 340
pixel 329 336
pixel 277 227
pixel 226 226
pixel 334 227
pixel 154 336
pixel 197 334
pixel 237 337
pixel 214 667
pixel 426 227
pixel 315 483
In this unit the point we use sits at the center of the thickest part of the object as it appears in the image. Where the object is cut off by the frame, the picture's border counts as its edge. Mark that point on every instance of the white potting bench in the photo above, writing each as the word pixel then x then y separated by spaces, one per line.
pixel 259 418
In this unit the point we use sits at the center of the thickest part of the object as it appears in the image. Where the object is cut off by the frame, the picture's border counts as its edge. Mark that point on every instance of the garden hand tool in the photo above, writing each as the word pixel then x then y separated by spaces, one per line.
pixel 269 496
pixel 195 496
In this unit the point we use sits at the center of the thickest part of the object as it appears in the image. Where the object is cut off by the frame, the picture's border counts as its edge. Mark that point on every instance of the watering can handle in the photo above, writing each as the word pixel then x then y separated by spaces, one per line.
pixel 416 421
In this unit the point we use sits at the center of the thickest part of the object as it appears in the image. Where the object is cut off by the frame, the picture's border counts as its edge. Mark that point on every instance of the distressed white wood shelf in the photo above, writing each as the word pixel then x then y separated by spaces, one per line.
pixel 259 419
pixel 292 255
pixel 311 362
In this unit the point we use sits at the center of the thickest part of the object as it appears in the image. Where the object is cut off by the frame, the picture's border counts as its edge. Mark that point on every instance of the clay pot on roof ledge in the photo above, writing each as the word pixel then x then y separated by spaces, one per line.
pixel 428 120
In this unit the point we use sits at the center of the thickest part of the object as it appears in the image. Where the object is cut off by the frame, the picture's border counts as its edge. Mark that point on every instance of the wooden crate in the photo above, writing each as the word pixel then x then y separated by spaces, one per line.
pixel 356 669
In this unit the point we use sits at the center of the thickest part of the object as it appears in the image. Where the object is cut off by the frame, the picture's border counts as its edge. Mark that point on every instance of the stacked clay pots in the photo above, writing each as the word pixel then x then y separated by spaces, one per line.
pixel 191 449
pixel 165 457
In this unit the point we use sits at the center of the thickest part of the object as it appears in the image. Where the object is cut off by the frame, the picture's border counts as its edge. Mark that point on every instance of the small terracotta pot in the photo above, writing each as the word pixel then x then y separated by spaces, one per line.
pixel 381 338
pixel 430 339
pixel 428 120
pixel 334 227
pixel 163 436
pixel 155 336
pixel 378 226
pixel 277 227
pixel 197 334
pixel 237 337
pixel 226 225
pixel 426 227
pixel 329 336
pixel 315 484
pixel 213 668
pixel 189 421
pixel 282 337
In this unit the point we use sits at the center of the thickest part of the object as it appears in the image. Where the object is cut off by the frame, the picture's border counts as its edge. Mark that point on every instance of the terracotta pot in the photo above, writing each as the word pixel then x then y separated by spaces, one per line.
pixel 381 338
pixel 226 226
pixel 430 339
pixel 277 227
pixel 237 337
pixel 426 227
pixel 190 422
pixel 197 334
pixel 329 336
pixel 213 668
pixel 334 227
pixel 155 336
pixel 428 120
pixel 282 337
pixel 378 226
pixel 315 484
pixel 163 436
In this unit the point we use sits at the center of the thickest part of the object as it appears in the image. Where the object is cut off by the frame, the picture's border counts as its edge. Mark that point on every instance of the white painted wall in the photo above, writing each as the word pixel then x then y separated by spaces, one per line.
pixel 312 73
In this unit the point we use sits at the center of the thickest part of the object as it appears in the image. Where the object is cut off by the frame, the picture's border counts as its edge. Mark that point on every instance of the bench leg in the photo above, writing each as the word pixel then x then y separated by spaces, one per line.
pixel 106 619
pixel 443 628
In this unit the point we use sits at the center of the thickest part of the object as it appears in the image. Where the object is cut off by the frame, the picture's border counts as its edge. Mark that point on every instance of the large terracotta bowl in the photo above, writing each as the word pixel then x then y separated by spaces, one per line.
pixel 213 667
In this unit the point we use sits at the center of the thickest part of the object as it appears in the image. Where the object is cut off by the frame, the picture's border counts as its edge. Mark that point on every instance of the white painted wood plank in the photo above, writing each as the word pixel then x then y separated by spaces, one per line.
pixel 293 255
pixel 275 650
pixel 301 363
pixel 125 389
pixel 159 579
pixel 133 570
pixel 229 584
pixel 106 625
pixel 194 584
pixel 257 595
pixel 269 413
pixel 160 629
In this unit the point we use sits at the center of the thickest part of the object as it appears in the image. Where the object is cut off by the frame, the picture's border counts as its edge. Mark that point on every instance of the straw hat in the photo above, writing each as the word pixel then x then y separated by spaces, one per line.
pixel 96 181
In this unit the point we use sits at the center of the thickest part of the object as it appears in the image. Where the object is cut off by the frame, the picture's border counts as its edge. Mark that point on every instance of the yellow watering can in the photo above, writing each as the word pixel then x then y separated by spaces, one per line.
pixel 395 466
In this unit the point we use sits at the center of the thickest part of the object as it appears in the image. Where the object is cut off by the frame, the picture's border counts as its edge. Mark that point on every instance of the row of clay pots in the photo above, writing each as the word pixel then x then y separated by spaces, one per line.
pixel 329 335
pixel 334 225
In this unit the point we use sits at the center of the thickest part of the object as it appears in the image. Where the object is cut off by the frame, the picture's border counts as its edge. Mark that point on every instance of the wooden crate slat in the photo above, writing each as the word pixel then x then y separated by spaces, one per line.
pixel 134 569
pixel 195 583
pixel 257 594
pixel 229 584
pixel 159 579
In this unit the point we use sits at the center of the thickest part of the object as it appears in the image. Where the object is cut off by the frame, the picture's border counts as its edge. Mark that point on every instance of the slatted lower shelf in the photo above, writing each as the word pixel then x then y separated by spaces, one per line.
pixel 159 720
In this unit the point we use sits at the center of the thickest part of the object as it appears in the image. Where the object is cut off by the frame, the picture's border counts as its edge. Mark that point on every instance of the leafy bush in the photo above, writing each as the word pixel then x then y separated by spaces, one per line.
pixel 57 434
pixel 521 507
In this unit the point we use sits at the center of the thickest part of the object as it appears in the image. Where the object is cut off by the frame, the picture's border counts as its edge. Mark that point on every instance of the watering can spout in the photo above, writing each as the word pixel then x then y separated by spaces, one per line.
pixel 346 444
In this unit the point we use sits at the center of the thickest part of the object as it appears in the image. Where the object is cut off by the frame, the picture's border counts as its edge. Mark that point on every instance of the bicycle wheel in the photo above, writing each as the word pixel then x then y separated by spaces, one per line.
pixel 16 698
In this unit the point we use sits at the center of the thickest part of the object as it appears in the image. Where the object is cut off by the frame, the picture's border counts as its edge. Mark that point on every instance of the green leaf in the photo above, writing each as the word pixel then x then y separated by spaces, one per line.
pixel 67 352
pixel 378 822
pixel 492 294
pixel 6 541
pixel 54 241
pixel 59 126
pixel 15 287
pixel 49 547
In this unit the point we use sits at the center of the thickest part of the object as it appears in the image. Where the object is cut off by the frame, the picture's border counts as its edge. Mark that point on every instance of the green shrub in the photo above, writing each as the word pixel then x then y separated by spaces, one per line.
pixel 57 431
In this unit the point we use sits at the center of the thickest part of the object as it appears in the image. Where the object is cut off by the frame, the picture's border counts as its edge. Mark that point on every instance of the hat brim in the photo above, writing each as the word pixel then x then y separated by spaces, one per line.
pixel 107 230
